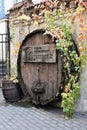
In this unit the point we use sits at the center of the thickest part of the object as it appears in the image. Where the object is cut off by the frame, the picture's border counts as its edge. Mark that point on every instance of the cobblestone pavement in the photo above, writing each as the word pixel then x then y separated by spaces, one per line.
pixel 28 117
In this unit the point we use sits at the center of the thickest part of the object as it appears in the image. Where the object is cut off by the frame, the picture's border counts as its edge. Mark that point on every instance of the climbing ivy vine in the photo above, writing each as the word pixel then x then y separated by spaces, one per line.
pixel 59 17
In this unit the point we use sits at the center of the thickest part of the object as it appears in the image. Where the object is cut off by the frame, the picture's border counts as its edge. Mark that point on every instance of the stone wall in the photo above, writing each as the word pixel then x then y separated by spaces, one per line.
pixel 82 102
pixel 21 30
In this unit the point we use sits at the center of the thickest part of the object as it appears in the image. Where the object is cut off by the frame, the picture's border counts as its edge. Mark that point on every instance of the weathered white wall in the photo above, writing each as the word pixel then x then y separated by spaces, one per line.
pixel 81 105
pixel 3 30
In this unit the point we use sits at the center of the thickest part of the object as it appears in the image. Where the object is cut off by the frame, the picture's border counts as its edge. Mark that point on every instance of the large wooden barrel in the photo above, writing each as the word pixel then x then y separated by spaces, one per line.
pixel 39 67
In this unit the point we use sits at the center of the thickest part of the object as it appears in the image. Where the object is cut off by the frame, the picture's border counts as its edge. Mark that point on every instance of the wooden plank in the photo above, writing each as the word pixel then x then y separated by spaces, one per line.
pixel 39 53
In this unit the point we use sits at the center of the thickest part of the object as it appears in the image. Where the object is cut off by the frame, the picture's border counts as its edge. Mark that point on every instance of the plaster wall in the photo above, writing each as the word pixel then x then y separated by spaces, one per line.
pixel 22 30
pixel 81 105
pixel 3 30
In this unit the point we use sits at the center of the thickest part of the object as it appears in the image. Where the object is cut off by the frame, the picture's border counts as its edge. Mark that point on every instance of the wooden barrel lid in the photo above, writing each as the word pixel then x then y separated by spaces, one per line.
pixel 39 67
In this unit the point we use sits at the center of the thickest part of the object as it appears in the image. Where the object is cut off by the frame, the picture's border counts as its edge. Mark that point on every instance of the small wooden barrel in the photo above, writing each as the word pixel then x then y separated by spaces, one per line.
pixel 39 67
pixel 11 91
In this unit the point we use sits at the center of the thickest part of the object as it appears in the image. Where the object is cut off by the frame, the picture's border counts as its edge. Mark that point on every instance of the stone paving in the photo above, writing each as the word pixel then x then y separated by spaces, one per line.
pixel 27 117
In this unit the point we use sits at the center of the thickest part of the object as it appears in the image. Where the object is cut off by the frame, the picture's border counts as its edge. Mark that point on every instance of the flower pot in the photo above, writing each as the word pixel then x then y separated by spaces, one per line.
pixel 11 91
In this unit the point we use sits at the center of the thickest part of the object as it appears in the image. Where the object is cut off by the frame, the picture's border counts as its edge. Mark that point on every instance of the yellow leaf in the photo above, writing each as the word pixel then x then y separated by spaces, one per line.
pixel 35 23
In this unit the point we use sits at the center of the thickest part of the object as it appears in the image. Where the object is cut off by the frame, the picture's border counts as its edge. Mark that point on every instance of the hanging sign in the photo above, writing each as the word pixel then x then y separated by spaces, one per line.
pixel 40 53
